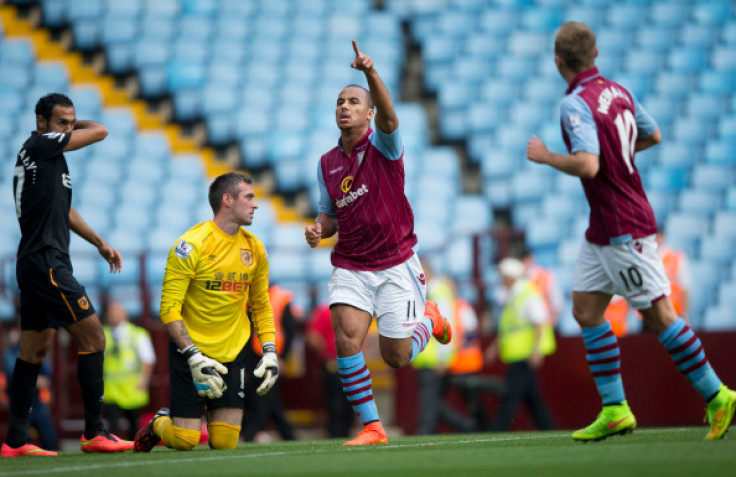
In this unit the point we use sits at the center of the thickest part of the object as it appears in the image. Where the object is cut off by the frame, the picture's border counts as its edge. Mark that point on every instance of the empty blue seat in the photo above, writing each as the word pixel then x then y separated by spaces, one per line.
pixel 472 214
pixel 54 13
pixel 675 154
pixel 730 203
pixel 118 30
pixel 150 52
pixel 711 12
pixel 659 38
pixel 696 35
pixel 684 230
pixel 130 9
pixel 87 35
pixel 673 84
pixel 719 250
pixel 724 224
pixel 720 152
pixel 85 10
pixel 643 62
pixel 714 177
pixel 624 17
pixel 669 14
pixel 699 201
pixel 716 82
pixel 720 317
pixel 722 59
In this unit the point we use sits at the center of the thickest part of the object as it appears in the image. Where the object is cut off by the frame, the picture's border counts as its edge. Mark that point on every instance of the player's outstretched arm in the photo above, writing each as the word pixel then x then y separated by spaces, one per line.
pixel 386 119
pixel 85 133
pixel 580 164
pixel 80 227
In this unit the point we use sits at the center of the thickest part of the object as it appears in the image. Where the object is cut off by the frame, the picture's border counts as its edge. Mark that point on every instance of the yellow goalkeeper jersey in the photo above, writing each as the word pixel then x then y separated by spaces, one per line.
pixel 211 279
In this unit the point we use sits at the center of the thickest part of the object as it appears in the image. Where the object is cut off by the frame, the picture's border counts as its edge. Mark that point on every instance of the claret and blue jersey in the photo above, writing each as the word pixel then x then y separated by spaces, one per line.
pixel 603 118
pixel 365 191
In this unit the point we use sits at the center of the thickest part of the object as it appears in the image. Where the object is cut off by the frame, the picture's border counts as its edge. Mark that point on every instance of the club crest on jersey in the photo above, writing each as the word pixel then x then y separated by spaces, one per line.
pixel 183 249
pixel 422 279
pixel 83 303
pixel 346 184
pixel 638 245
pixel 246 256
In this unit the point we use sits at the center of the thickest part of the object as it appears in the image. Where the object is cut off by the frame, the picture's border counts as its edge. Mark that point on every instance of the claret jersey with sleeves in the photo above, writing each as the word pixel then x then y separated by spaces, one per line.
pixel 43 193
pixel 603 118
pixel 365 191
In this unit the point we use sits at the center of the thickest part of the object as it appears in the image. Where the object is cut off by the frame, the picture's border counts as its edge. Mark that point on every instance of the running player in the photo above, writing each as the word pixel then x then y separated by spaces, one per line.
pixel 376 270
pixel 214 273
pixel 603 126
pixel 50 296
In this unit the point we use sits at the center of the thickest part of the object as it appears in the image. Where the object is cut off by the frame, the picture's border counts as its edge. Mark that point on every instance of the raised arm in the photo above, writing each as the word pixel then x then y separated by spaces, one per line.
pixel 385 118
pixel 85 133
pixel 80 227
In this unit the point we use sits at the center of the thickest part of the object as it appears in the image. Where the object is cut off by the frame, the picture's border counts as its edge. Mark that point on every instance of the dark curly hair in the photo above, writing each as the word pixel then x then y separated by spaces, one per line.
pixel 46 104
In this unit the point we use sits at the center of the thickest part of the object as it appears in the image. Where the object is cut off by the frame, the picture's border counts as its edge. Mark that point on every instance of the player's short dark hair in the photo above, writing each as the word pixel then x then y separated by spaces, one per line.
pixel 226 184
pixel 368 98
pixel 575 44
pixel 45 105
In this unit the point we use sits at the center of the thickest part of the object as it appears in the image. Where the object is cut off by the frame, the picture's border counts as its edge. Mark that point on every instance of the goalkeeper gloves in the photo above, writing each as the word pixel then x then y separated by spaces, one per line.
pixel 268 368
pixel 205 373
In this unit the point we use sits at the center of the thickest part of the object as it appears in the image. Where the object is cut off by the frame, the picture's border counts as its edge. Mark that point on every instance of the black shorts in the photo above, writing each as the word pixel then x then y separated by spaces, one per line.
pixel 50 296
pixel 184 401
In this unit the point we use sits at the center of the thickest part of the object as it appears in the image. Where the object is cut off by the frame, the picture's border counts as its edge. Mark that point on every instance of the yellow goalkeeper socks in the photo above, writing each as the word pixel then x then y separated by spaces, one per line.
pixel 223 436
pixel 173 436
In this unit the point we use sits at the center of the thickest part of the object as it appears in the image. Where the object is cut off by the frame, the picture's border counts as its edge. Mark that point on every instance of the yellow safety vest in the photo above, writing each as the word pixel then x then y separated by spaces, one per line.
pixel 516 334
pixel 123 369
pixel 469 356
pixel 430 357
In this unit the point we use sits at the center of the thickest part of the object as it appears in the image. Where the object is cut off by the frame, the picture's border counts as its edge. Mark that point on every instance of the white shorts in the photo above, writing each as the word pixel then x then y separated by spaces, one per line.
pixel 633 270
pixel 395 296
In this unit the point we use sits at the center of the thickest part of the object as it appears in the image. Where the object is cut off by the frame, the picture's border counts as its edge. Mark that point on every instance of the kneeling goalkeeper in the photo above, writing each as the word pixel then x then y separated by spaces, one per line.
pixel 214 272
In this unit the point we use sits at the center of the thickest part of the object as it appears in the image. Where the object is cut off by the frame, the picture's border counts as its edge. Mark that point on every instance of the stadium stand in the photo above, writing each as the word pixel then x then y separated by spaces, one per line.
pixel 237 67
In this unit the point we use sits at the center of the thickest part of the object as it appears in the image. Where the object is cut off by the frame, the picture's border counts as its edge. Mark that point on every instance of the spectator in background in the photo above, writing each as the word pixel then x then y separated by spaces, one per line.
pixel 524 338
pixel 677 269
pixel 320 339
pixel 433 364
pixel 260 409
pixel 129 360
pixel 40 420
pixel 545 282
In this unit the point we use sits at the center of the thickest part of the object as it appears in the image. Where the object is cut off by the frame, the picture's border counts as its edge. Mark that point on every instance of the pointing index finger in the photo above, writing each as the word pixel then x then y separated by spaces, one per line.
pixel 355 47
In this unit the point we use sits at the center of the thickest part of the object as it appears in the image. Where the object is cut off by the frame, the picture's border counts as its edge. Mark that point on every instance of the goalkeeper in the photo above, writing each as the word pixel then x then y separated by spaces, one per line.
pixel 214 272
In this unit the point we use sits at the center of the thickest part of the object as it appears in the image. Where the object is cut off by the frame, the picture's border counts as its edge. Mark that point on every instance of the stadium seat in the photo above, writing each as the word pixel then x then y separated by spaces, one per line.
pixel 719 152
pixel 472 214
pixel 703 202
pixel 724 224
pixel 659 38
pixel 713 177
pixel 668 14
pixel 720 318
pixel 711 12
pixel 719 250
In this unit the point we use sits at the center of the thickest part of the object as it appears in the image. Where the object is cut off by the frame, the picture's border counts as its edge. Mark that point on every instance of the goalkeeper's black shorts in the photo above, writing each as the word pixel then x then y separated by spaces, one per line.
pixel 184 401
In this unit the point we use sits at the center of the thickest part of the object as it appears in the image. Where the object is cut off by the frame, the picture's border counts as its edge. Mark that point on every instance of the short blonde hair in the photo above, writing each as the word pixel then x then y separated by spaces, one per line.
pixel 575 44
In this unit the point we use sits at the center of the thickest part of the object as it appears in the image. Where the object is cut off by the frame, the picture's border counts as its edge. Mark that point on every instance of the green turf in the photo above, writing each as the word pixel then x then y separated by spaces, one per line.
pixel 647 452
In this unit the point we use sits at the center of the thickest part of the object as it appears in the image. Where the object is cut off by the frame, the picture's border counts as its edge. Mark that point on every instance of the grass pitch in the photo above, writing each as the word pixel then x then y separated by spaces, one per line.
pixel 647 452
